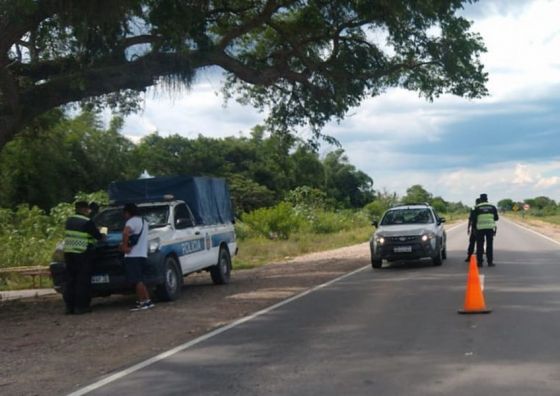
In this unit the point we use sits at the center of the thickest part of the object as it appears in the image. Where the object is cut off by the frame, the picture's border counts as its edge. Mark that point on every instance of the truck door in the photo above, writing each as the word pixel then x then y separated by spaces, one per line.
pixel 188 241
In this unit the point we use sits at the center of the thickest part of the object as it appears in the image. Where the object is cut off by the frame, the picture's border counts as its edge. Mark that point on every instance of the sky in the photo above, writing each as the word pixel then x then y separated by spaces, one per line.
pixel 506 145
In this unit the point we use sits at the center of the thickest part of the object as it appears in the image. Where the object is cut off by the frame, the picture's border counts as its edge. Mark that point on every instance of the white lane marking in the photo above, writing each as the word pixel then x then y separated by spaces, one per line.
pixel 533 231
pixel 456 226
pixel 182 347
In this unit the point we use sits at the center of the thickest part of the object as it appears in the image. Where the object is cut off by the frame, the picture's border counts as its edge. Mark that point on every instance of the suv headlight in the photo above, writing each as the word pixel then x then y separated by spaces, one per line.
pixel 154 245
pixel 380 240
pixel 427 237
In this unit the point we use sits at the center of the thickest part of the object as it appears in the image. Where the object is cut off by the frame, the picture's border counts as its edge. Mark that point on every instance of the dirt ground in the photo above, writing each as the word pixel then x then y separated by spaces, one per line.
pixel 548 229
pixel 43 352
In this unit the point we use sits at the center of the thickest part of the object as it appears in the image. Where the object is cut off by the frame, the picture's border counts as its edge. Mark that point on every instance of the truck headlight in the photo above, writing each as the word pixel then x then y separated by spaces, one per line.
pixel 154 245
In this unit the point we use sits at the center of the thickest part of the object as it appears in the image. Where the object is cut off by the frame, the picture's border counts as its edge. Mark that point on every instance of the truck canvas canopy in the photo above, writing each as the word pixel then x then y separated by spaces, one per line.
pixel 207 197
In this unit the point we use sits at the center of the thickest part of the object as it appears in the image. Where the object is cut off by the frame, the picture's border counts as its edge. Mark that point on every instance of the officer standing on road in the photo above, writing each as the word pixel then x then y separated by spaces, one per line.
pixel 80 237
pixel 471 231
pixel 485 216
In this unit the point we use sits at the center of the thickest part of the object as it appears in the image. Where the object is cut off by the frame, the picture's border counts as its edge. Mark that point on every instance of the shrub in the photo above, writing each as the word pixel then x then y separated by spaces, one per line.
pixel 376 208
pixel 277 222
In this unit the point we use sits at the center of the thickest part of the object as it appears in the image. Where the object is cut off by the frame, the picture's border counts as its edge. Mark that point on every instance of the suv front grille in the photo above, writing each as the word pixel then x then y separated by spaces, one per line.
pixel 402 239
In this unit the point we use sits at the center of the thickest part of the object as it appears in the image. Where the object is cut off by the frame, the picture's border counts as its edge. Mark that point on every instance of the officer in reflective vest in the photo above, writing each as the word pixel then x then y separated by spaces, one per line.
pixel 485 215
pixel 80 238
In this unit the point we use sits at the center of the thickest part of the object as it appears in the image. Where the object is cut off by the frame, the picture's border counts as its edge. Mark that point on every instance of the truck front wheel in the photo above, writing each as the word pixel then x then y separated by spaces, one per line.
pixel 221 272
pixel 170 289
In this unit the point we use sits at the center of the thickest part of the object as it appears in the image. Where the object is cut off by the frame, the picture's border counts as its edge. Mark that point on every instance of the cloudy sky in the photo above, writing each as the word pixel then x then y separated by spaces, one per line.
pixel 506 145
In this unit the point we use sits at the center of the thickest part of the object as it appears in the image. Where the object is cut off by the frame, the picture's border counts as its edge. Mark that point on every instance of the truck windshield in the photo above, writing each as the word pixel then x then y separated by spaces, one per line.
pixel 407 216
pixel 112 218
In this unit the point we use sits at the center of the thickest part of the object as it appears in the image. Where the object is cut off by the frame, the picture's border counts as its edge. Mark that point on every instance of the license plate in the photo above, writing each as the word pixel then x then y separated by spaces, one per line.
pixel 402 249
pixel 100 279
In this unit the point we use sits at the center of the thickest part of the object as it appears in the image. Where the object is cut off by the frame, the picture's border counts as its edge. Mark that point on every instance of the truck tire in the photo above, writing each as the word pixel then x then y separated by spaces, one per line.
pixel 221 272
pixel 170 289
pixel 376 263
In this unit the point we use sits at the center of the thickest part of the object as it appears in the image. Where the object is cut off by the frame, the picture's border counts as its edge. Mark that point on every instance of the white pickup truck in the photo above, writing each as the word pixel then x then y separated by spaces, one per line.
pixel 190 230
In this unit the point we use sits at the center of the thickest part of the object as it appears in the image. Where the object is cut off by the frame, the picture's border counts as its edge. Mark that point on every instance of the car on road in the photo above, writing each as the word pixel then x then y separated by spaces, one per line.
pixel 409 232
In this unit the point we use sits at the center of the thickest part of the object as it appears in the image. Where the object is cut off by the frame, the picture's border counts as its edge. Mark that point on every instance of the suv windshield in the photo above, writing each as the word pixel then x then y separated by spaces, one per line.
pixel 408 216
pixel 112 218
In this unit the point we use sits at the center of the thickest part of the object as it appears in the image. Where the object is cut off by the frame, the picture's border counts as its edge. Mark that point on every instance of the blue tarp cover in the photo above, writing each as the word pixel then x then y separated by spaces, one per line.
pixel 208 197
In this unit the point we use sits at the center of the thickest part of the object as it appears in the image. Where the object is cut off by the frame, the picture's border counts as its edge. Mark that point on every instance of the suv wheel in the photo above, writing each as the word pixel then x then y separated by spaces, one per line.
pixel 221 272
pixel 376 263
pixel 170 289
pixel 444 252
pixel 438 259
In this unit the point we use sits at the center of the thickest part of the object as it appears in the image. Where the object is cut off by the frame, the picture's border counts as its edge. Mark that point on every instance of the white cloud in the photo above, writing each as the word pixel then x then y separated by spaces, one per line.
pixel 522 175
pixel 523 63
pixel 547 182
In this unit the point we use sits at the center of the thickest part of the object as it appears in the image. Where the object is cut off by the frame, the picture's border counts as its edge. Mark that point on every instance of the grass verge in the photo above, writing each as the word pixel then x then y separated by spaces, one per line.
pixel 254 252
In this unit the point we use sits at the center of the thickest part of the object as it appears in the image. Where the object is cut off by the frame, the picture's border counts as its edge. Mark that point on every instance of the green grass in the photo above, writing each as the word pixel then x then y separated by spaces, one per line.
pixel 254 252
pixel 553 219
pixel 20 282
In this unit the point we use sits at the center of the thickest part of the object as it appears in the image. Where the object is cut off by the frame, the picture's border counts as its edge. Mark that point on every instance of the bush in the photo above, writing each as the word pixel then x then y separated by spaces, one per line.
pixel 28 235
pixel 376 208
pixel 277 222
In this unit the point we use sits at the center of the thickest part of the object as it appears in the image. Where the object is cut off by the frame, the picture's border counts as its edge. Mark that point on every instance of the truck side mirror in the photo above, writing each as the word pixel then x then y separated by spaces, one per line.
pixel 441 220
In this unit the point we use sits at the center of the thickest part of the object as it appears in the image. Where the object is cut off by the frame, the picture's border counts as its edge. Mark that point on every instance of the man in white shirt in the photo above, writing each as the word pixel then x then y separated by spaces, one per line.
pixel 135 248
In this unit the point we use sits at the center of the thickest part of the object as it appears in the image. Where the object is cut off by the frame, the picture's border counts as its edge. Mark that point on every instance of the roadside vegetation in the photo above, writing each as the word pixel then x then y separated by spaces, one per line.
pixel 289 199
pixel 539 208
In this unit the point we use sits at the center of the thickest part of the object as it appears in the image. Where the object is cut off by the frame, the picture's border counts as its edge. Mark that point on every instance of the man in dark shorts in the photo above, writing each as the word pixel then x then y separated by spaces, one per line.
pixel 135 247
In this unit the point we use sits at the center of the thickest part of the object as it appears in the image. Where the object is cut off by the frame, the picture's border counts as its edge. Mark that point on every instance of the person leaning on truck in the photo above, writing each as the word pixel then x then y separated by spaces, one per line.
pixel 135 248
pixel 80 237
pixel 485 215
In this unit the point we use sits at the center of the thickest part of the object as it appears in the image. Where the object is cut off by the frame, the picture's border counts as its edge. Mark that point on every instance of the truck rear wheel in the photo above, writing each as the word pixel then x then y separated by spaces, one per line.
pixel 221 272
pixel 170 289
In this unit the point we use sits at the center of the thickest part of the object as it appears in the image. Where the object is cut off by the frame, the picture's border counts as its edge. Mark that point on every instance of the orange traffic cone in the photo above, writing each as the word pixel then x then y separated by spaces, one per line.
pixel 474 299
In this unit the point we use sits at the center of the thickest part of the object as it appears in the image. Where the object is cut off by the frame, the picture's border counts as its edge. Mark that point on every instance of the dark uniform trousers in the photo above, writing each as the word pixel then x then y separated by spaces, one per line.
pixel 481 235
pixel 77 290
pixel 472 243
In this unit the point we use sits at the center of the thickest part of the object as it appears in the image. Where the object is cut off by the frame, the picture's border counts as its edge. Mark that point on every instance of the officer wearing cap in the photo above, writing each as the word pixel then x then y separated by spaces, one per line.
pixel 485 216
pixel 80 237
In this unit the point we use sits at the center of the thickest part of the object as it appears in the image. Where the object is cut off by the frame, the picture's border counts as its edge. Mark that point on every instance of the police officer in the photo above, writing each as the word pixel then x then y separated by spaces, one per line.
pixel 485 216
pixel 471 231
pixel 80 237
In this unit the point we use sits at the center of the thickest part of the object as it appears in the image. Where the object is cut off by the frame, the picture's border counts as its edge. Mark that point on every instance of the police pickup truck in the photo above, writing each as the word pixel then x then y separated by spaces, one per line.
pixel 190 230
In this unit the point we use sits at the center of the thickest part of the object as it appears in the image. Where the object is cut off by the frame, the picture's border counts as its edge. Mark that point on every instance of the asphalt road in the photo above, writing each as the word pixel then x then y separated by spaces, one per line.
pixel 393 331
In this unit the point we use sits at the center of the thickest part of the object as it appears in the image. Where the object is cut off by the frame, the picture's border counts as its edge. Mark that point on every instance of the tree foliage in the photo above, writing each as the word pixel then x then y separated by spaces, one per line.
pixel 309 61
pixel 79 154
pixel 417 194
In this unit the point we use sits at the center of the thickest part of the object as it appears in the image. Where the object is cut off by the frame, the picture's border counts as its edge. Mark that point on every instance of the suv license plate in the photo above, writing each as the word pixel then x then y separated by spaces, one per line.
pixel 100 279
pixel 402 249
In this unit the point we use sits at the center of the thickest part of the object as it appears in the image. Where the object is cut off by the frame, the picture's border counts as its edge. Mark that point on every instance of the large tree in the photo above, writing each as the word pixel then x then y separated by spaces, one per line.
pixel 309 61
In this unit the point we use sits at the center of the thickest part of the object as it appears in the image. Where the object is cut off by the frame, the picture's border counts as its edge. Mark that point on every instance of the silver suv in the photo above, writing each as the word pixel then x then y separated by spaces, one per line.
pixel 409 232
